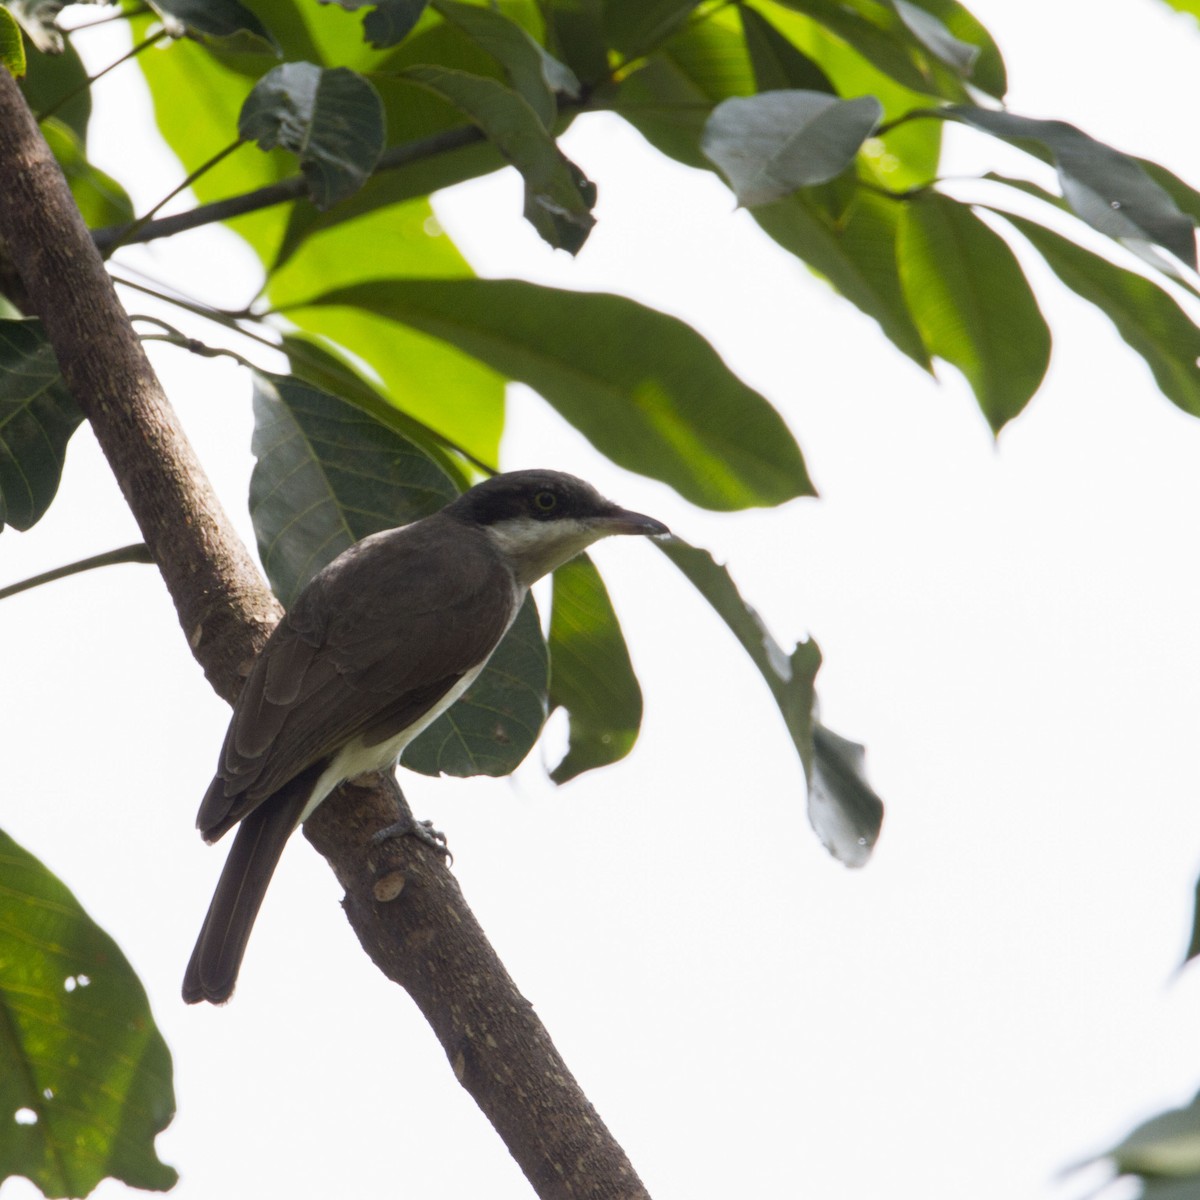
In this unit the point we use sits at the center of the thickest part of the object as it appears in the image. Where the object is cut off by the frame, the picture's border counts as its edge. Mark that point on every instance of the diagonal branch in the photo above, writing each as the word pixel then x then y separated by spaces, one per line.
pixel 411 919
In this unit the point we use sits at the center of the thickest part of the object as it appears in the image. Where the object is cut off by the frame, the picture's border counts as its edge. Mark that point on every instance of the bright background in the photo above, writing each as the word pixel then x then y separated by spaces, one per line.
pixel 1012 629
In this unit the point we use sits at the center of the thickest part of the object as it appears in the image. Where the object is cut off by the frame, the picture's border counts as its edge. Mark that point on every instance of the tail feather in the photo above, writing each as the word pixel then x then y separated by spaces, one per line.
pixel 212 972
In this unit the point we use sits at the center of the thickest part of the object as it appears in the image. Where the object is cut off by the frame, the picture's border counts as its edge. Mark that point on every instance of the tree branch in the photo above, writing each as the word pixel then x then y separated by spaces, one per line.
pixel 293 188
pixel 137 553
pixel 412 919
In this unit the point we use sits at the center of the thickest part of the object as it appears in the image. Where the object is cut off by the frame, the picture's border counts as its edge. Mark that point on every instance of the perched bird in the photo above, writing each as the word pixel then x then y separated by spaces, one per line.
pixel 377 645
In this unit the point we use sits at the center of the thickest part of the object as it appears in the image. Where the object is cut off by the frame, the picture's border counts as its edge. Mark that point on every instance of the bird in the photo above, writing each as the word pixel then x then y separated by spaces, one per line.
pixel 378 644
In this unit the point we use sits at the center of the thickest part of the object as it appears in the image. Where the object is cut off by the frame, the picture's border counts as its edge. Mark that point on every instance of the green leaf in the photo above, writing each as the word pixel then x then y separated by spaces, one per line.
pixel 101 199
pixel 1186 197
pixel 1145 315
pixel 58 82
pixel 533 73
pixel 774 143
pixel 856 252
pixel 935 37
pixel 216 19
pixel 390 22
pixel 778 64
pixel 842 809
pixel 988 72
pixel 575 32
pixel 495 724
pixel 590 672
pixel 973 305
pixel 37 418
pixel 327 476
pixel 635 27
pixel 1107 189
pixel 646 389
pixel 86 1084
pixel 12 45
pixel 558 196
pixel 1193 949
pixel 331 119
pixel 1191 7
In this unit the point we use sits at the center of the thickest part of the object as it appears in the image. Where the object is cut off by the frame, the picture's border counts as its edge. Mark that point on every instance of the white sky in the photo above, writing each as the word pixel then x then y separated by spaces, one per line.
pixel 1011 629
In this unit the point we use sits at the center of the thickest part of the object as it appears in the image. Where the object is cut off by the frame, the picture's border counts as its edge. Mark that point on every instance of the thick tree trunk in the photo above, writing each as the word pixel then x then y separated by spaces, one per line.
pixel 402 901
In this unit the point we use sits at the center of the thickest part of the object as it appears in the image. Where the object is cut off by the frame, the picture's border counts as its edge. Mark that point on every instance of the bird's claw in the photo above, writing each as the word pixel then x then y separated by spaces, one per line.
pixel 423 831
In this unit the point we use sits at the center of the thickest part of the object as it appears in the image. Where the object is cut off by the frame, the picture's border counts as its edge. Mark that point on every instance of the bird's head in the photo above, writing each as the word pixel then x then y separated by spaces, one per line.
pixel 540 519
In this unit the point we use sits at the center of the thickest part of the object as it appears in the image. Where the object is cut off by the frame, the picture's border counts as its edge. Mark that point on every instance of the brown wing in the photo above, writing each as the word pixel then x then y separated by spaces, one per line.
pixel 372 643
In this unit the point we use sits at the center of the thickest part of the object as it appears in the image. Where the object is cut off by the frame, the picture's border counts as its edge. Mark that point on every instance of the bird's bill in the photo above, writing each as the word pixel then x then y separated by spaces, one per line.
pixel 621 520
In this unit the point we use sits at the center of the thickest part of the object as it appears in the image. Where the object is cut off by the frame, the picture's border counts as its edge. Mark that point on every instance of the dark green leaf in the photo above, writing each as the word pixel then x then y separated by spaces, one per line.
pixel 936 38
pixel 50 79
pixel 1193 949
pixel 327 476
pixel 842 809
pixel 1186 197
pixel 533 73
pixel 12 45
pixel 101 199
pixel 1107 189
pixel 973 305
pixel 575 32
pixel 646 389
pixel 495 724
pixel 331 119
pixel 558 197
pixel 390 22
pixel 216 19
pixel 778 64
pixel 988 72
pixel 590 672
pixel 1145 316
pixel 856 252
pixel 86 1084
pixel 887 45
pixel 322 367
pixel 777 142
pixel 635 27
pixel 37 418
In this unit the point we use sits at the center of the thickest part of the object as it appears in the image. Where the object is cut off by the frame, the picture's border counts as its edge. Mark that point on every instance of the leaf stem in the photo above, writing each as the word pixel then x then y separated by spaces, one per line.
pixel 87 83
pixel 128 234
pixel 138 553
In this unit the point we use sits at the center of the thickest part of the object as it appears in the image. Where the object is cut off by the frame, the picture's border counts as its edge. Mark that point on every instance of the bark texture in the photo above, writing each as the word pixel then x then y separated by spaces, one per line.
pixel 401 900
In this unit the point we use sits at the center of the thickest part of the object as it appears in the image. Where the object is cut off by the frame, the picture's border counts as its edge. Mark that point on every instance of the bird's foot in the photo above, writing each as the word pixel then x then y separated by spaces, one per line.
pixel 423 831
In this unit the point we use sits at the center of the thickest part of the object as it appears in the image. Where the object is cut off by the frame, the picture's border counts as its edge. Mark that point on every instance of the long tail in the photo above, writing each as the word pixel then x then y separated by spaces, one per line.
pixel 213 970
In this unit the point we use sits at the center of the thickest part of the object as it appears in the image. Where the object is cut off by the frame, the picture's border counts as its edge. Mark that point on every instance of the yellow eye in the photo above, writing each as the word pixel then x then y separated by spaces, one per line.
pixel 545 501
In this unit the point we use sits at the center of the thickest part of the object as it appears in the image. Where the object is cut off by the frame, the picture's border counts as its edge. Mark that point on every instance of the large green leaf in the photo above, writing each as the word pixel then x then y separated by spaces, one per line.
pixel 590 672
pixel 635 27
pixel 37 418
pixel 495 724
pixel 1145 315
pixel 973 305
pixel 216 19
pixel 987 71
pixel 57 83
pixel 775 143
pixel 1108 189
pixel 532 72
pixel 842 809
pixel 326 476
pixel 86 1084
pixel 645 388
pixel 855 251
pixel 331 119
pixel 558 196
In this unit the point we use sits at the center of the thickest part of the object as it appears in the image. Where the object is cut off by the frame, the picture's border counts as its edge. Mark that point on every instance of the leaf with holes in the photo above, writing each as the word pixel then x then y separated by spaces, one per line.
pixel 332 119
pixel 37 418
pixel 86 1085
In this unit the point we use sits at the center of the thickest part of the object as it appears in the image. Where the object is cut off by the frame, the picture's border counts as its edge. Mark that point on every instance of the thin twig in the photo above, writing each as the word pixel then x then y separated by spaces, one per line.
pixel 87 83
pixel 137 553
pixel 292 188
